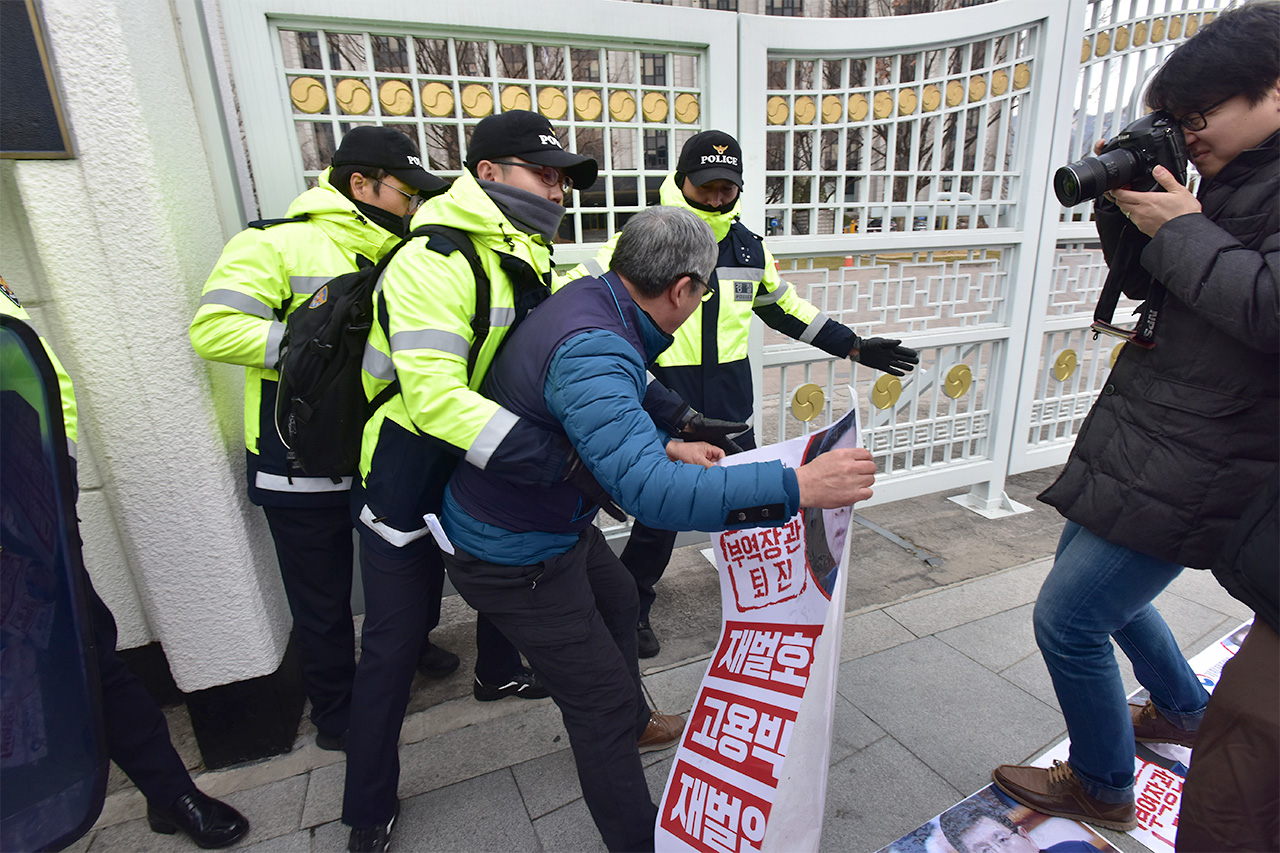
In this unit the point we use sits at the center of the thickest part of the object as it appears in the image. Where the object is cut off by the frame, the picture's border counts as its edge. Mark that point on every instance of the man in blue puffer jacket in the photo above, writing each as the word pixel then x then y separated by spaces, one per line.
pixel 536 566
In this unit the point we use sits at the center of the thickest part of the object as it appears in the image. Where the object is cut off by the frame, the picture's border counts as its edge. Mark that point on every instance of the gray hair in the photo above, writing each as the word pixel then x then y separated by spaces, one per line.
pixel 660 244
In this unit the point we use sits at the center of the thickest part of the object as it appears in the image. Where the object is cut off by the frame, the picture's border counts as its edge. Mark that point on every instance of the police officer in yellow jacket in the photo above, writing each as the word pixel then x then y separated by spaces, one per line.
pixel 707 364
pixel 359 207
pixel 136 732
pixel 509 203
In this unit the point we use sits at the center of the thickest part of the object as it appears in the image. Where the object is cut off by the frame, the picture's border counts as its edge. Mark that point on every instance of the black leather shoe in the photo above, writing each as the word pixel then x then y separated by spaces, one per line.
pixel 372 839
pixel 646 641
pixel 524 685
pixel 436 662
pixel 333 743
pixel 210 823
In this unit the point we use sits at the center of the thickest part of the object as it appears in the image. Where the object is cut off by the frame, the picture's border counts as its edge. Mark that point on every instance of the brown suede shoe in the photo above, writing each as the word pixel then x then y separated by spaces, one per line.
pixel 663 731
pixel 1056 791
pixel 1150 726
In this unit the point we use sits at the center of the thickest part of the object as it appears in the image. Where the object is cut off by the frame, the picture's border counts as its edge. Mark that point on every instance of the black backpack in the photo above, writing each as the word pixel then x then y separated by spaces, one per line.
pixel 320 403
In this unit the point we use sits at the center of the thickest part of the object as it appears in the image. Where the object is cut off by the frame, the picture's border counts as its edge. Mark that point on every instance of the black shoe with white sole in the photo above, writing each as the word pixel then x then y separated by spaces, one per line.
pixel 523 685
pixel 372 839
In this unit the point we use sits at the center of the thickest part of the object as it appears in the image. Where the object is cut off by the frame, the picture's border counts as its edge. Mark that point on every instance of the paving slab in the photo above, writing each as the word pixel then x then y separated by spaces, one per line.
pixel 294 842
pixel 569 828
pixel 484 813
pixel 548 782
pixel 324 795
pixel 1203 588
pixel 871 632
pixel 673 690
pixel 851 730
pixel 997 642
pixel 930 697
pixel 960 604
pixel 878 795
pixel 1030 675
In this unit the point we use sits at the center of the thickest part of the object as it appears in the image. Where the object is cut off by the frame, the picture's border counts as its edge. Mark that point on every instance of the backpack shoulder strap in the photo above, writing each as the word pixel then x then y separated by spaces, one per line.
pixel 260 224
pixel 447 240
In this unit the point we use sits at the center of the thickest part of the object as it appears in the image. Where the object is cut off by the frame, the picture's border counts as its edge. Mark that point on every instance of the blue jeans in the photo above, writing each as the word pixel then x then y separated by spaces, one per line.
pixel 1097 591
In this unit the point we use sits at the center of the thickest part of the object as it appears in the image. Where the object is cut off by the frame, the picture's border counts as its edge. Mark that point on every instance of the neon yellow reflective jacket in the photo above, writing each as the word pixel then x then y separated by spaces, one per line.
pixel 10 305
pixel 262 275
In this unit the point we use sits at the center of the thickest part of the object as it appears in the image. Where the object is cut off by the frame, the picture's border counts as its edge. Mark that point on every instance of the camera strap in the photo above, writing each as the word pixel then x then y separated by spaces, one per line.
pixel 1148 312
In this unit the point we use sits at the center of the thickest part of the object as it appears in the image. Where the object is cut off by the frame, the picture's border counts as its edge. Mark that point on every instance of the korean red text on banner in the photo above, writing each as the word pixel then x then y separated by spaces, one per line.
pixel 776 657
pixel 740 732
pixel 1158 794
pixel 766 564
pixel 711 815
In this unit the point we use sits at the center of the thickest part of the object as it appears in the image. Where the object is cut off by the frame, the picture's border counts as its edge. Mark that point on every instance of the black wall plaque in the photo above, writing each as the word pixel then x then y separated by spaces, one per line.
pixel 32 125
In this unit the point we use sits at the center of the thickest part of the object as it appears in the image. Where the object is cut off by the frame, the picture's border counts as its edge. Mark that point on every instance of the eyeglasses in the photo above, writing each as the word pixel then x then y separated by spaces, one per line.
pixel 415 200
pixel 707 292
pixel 1196 119
pixel 550 175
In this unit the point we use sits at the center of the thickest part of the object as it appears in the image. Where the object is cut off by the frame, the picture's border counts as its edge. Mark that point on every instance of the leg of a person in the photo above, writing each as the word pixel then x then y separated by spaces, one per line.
pixel 1231 800
pixel 496 658
pixel 314 549
pixel 615 597
pixel 435 593
pixel 646 554
pixel 548 610
pixel 1096 589
pixel 396 592
pixel 137 735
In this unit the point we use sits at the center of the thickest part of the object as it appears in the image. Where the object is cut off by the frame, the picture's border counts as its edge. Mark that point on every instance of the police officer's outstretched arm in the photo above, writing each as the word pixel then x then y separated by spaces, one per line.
pixel 837 478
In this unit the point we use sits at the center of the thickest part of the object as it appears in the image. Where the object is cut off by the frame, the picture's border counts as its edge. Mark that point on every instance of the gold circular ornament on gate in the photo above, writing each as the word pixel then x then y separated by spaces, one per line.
pixel 955 93
pixel 353 96
pixel 807 402
pixel 587 104
pixel 308 95
pixel 1102 44
pixel 552 103
pixel 959 379
pixel 516 98
pixel 1209 16
pixel 1157 29
pixel 1021 76
pixel 1193 24
pixel 396 97
pixel 1140 34
pixel 477 100
pixel 886 391
pixel 882 105
pixel 1065 365
pixel 857 107
pixel 977 88
pixel 832 109
pixel 1000 82
pixel 907 101
pixel 622 106
pixel 776 110
pixel 1175 27
pixel 805 110
pixel 1086 51
pixel 1122 38
pixel 1115 353
pixel 437 100
pixel 932 98
pixel 687 109
pixel 654 105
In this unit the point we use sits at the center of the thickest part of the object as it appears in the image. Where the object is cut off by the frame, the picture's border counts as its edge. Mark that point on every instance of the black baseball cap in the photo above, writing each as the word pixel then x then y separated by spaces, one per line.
pixel 386 148
pixel 529 136
pixel 711 155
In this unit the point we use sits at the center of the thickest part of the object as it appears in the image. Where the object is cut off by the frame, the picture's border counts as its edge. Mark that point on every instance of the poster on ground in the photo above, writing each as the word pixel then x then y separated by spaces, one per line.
pixel 751 770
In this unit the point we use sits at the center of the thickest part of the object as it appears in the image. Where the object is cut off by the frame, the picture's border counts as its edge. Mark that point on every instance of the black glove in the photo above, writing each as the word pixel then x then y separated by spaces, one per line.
pixel 887 354
pixel 580 477
pixel 698 427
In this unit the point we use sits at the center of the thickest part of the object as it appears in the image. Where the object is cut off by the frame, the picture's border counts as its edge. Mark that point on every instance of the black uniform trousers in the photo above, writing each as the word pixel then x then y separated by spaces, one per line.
pixel 398 591
pixel 315 551
pixel 574 616
pixel 137 735
pixel 648 550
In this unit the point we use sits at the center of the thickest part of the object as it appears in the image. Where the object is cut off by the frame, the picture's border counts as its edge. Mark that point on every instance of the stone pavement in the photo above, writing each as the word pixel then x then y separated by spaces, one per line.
pixel 940 681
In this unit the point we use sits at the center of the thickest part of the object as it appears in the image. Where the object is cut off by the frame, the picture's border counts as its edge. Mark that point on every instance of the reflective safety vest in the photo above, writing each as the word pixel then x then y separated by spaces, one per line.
pixel 262 275
pixel 10 305
pixel 707 364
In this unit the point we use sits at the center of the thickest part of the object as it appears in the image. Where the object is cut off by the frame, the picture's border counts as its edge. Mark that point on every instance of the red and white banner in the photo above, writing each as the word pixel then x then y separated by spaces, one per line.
pixel 751 770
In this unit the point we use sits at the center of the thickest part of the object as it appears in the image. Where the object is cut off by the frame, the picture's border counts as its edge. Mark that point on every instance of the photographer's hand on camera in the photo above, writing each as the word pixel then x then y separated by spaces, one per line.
pixel 1149 211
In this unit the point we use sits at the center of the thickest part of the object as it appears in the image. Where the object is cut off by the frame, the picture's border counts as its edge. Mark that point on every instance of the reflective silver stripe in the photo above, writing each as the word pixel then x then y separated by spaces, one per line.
pixel 377 364
pixel 739 274
pixel 490 437
pixel 242 302
pixel 271 355
pixel 501 317
pixel 430 339
pixel 277 483
pixel 307 283
pixel 593 267
pixel 814 327
pixel 396 537
pixel 71 448
pixel 772 298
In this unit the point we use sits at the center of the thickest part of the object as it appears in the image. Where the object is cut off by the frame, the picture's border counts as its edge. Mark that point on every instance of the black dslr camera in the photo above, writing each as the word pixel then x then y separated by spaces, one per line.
pixel 1153 140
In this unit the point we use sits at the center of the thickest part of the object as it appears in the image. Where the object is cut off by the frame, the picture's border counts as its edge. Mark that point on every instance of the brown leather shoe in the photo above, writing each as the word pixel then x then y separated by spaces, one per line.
pixel 663 731
pixel 1150 726
pixel 1056 791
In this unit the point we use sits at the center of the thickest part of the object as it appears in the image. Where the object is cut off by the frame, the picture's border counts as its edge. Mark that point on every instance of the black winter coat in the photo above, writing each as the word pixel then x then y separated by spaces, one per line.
pixel 1185 434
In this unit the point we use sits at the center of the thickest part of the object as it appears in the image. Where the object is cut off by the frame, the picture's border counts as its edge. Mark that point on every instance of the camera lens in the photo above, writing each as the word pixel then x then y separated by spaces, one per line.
pixel 1092 176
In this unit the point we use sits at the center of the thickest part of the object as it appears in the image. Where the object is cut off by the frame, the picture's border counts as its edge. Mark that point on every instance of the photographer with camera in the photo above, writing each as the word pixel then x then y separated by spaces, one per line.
pixel 1186 430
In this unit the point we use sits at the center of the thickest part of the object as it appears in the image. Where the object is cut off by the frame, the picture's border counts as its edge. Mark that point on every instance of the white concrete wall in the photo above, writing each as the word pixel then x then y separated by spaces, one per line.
pixel 119 242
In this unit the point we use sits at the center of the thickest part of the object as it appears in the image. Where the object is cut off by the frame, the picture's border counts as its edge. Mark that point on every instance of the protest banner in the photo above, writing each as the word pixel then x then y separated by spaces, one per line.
pixel 751 770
